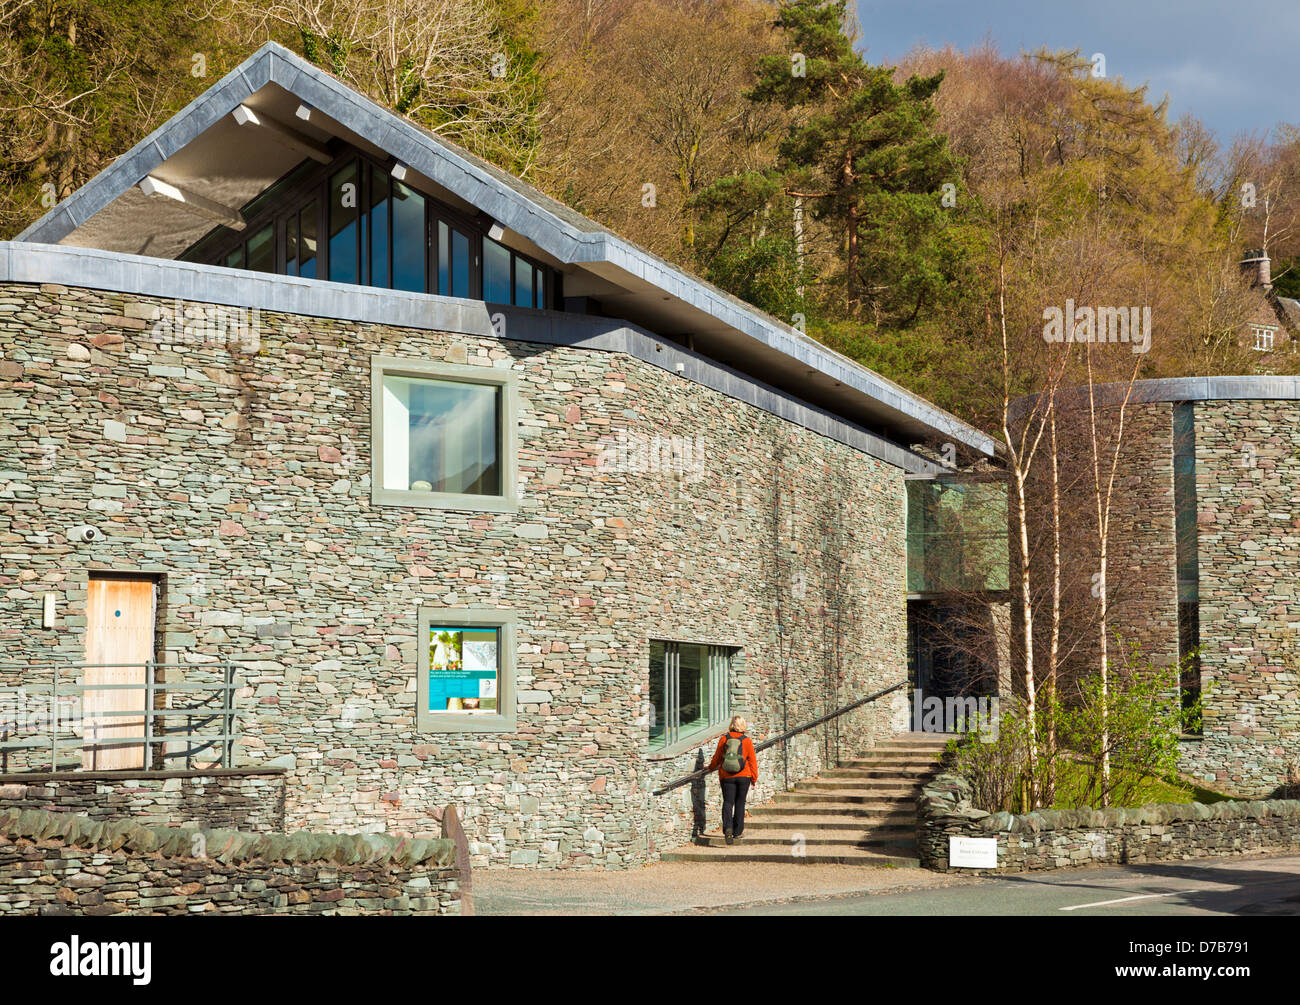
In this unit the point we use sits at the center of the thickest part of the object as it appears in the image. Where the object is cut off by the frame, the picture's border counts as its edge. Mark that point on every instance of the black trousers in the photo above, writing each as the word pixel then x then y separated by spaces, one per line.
pixel 734 791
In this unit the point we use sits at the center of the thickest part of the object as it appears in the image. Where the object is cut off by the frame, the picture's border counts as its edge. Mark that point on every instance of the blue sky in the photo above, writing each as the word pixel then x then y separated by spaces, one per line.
pixel 1215 59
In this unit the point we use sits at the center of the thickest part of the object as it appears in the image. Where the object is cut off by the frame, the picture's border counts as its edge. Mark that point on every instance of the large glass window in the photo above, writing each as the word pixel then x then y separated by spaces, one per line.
pixel 689 685
pixel 443 435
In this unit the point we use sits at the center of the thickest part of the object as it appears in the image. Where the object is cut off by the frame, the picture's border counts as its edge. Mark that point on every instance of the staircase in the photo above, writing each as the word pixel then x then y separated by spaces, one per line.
pixel 860 813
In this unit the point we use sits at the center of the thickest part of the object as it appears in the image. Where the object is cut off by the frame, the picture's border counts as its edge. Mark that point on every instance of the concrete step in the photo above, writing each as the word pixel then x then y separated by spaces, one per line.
pixel 883 772
pixel 744 852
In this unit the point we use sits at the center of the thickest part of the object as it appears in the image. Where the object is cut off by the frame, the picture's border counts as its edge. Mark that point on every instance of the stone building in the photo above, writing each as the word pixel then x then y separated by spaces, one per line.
pixel 474 501
pixel 1205 558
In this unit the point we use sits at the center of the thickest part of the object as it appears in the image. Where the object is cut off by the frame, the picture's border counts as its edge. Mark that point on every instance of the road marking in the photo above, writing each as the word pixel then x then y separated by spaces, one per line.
pixel 1121 900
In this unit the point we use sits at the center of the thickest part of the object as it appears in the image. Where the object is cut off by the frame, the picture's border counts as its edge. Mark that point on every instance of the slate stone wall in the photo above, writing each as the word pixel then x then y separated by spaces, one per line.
pixel 64 865
pixel 240 473
pixel 235 800
pixel 1248 500
pixel 1056 839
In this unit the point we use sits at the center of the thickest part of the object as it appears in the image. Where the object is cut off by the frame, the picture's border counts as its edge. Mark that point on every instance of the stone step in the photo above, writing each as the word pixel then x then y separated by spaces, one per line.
pixel 812 806
pixel 903 760
pixel 742 852
pixel 895 844
pixel 883 772
pixel 866 789
pixel 898 823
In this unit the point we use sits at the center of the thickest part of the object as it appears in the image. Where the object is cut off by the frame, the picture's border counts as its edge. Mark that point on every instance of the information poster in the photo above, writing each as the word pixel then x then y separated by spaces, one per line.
pixel 464 666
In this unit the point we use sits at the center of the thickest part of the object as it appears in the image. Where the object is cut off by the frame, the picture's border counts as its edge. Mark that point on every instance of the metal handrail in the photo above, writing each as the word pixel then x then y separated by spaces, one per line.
pixel 695 775
pixel 217 725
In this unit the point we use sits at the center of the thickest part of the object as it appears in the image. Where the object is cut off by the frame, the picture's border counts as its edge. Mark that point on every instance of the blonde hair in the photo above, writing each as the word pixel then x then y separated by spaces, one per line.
pixel 738 724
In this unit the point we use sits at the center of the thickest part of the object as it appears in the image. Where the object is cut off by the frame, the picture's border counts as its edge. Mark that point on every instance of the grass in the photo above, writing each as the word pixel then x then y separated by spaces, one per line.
pixel 1071 779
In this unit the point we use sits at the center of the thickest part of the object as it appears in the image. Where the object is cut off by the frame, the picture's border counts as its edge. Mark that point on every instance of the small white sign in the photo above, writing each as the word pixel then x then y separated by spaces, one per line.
pixel 972 853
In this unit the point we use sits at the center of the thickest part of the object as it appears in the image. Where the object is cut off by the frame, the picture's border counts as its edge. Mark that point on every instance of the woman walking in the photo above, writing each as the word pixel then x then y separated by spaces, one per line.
pixel 737 769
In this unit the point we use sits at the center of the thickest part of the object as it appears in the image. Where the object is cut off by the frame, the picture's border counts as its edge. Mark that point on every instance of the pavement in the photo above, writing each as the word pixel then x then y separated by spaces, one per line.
pixel 1254 886
pixel 678 887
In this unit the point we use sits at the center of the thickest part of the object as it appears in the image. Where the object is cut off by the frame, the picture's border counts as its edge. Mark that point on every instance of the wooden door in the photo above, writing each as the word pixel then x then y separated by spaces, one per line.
pixel 119 630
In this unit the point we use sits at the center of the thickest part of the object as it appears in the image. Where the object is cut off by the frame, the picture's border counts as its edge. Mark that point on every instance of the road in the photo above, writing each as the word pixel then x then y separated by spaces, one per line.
pixel 1260 886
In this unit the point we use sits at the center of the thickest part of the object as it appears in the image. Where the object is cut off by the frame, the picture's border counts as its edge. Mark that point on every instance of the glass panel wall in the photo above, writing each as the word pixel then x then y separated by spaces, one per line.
pixel 378 231
pixel 956 535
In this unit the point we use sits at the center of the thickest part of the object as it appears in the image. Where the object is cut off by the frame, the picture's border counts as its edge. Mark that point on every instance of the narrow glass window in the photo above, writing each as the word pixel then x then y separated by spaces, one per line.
pixel 496 272
pixel 409 267
pixel 261 250
pixel 441 436
pixel 307 241
pixel 377 230
pixel 235 260
pixel 444 259
pixel 459 264
pixel 658 693
pixel 343 264
pixel 291 246
pixel 464 669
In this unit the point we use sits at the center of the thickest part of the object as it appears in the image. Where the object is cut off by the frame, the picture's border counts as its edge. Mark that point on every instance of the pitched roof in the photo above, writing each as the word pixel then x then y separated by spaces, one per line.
pixel 724 326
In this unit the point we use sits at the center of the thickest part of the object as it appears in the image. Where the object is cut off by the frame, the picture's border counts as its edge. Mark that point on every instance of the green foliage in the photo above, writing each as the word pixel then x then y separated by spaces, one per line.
pixel 764 273
pixel 863 154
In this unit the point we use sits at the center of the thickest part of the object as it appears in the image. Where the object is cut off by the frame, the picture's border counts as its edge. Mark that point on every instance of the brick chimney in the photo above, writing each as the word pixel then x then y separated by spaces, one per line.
pixel 1257 266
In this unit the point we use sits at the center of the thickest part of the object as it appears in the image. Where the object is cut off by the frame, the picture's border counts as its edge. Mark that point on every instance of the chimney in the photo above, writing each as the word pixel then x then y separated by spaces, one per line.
pixel 1257 266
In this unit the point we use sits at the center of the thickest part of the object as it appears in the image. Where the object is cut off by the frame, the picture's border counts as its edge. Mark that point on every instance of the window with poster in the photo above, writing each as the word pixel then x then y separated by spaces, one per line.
pixel 466 670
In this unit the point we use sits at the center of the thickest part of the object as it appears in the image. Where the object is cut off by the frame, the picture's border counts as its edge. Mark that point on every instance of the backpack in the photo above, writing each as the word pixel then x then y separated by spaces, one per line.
pixel 733 755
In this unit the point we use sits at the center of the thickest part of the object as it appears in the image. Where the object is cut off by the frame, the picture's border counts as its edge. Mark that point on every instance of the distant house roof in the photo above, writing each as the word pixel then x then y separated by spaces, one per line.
pixel 205 151
pixel 1289 312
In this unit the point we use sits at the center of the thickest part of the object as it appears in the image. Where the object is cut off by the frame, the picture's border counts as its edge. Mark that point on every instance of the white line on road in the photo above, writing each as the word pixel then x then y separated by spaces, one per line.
pixel 1121 900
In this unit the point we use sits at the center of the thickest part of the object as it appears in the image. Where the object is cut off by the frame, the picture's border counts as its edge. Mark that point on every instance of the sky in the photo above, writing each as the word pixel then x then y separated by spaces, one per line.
pixel 1217 60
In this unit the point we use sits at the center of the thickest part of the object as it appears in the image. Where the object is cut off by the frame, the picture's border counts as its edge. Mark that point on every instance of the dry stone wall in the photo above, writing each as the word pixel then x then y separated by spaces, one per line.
pixel 1056 839
pixel 64 865
pixel 241 475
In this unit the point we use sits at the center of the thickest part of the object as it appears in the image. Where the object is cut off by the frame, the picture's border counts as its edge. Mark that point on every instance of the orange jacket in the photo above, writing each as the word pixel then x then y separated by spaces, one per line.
pixel 747 770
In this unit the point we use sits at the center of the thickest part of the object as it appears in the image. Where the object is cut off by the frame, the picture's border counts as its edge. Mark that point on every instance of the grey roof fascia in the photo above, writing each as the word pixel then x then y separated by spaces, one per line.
pixel 516 209
pixel 1239 387
pixel 139 275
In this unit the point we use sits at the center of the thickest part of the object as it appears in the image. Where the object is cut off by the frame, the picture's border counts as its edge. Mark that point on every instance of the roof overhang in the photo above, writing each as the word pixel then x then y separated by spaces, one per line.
pixel 222 159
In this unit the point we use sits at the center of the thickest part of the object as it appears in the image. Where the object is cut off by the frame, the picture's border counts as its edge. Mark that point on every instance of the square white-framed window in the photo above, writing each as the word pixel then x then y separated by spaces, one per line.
pixel 443 435
pixel 1263 335
pixel 465 670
